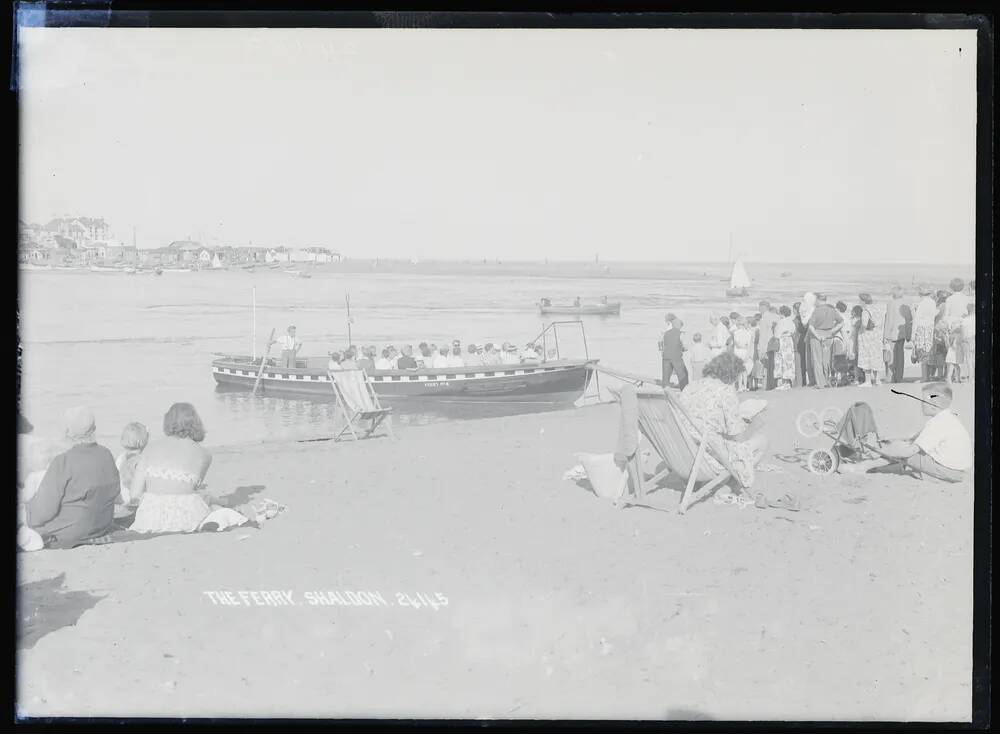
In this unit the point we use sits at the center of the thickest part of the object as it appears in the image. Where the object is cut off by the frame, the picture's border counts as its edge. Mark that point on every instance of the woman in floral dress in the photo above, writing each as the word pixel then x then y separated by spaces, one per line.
pixel 870 339
pixel 923 331
pixel 711 404
pixel 784 358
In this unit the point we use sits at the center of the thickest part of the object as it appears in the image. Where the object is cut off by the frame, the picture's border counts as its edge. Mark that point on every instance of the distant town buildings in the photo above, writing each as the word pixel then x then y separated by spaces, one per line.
pixel 82 241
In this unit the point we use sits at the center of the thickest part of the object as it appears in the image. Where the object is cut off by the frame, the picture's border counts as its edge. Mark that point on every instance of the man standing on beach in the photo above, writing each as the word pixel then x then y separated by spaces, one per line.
pixel 765 346
pixel 824 323
pixel 673 353
pixel 290 346
pixel 898 320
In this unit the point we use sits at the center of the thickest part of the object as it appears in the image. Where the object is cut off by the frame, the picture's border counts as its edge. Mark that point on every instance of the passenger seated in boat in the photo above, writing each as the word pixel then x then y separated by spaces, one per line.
pixel 134 440
pixel 473 358
pixel 490 355
pixel 347 362
pixel 76 498
pixel 424 355
pixel 604 300
pixel 440 360
pixel 529 354
pixel 406 361
pixel 576 302
pixel 334 364
pixel 509 355
pixel 455 358
pixel 384 363
pixel 366 361
pixel 546 302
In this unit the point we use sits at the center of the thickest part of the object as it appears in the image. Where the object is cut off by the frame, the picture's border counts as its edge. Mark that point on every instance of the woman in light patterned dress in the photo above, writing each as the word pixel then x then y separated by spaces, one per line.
pixel 784 358
pixel 711 403
pixel 924 316
pixel 170 474
pixel 870 339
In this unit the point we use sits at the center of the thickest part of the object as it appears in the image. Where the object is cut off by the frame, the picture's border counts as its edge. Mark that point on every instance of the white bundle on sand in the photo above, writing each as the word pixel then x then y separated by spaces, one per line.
pixel 575 474
pixel 605 477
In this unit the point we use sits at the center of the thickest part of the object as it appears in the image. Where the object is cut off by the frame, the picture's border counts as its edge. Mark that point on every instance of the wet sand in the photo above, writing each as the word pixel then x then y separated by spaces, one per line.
pixel 558 605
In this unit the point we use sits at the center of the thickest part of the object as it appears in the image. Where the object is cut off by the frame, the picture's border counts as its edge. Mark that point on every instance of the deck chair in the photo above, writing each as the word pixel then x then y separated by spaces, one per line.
pixel 357 400
pixel 683 452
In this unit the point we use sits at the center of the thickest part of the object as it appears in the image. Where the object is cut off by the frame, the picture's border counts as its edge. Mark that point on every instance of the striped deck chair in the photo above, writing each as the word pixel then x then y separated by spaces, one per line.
pixel 357 400
pixel 682 451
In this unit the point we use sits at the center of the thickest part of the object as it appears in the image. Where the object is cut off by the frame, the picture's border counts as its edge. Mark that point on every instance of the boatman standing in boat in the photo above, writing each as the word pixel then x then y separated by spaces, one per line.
pixel 290 347
pixel 673 353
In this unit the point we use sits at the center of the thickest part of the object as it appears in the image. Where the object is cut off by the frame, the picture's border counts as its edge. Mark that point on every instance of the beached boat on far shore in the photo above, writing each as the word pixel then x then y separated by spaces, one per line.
pixel 584 309
pixel 545 383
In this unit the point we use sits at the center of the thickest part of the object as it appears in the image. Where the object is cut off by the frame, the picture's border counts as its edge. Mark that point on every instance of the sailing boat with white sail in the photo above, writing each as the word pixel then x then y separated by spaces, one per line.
pixel 739 282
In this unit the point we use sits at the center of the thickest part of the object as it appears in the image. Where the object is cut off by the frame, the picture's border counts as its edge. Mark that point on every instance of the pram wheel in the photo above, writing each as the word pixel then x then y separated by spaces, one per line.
pixel 808 423
pixel 823 461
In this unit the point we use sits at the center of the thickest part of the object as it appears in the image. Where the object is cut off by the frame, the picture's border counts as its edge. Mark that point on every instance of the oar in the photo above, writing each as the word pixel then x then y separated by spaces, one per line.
pixel 263 362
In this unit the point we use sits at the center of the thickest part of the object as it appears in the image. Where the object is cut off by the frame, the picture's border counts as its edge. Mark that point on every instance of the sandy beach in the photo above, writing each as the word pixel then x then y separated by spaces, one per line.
pixel 552 602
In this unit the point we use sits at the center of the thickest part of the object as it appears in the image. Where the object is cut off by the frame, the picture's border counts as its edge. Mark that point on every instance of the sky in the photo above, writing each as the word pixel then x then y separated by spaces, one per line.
pixel 668 145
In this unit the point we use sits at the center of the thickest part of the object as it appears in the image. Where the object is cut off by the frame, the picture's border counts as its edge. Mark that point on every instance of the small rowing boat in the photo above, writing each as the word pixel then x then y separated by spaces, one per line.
pixel 584 309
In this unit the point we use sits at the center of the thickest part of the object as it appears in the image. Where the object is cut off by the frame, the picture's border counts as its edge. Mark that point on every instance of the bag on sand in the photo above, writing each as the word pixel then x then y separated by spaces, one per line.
pixel 605 477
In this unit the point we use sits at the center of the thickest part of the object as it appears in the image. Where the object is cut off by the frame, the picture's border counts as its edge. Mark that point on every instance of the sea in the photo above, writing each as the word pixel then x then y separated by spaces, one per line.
pixel 128 346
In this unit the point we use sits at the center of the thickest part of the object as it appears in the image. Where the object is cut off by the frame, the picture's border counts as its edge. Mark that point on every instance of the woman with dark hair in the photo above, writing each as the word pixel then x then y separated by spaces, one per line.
pixel 170 475
pixel 712 405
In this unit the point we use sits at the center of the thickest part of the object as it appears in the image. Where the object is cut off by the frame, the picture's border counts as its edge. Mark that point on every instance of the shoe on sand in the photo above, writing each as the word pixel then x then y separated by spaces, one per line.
pixel 786 502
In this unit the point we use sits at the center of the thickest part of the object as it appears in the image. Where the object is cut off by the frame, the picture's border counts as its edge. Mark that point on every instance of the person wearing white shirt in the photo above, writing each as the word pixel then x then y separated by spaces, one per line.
pixel 384 363
pixel 474 358
pixel 440 360
pixel 509 354
pixel 942 449
pixel 491 356
pixel 290 347
pixel 957 304
pixel 334 364
pixel 455 358
pixel 529 354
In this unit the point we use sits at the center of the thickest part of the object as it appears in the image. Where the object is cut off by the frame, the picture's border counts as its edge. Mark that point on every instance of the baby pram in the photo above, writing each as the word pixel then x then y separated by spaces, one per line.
pixel 855 436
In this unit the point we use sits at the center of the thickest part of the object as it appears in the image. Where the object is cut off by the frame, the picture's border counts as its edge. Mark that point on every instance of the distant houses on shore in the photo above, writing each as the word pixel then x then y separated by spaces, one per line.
pixel 84 241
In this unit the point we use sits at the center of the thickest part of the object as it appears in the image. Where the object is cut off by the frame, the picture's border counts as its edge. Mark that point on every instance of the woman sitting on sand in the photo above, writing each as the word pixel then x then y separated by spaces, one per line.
pixel 170 474
pixel 711 403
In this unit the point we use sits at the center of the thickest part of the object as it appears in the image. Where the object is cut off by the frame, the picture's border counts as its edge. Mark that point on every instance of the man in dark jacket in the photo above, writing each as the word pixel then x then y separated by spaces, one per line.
pixel 673 353
pixel 76 499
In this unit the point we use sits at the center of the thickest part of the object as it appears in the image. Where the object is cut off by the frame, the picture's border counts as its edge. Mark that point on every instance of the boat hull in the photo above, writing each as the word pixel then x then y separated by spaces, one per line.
pixel 610 309
pixel 737 292
pixel 559 382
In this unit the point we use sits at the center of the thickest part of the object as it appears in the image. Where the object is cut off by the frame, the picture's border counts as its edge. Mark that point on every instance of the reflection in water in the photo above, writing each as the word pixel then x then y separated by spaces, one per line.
pixel 300 417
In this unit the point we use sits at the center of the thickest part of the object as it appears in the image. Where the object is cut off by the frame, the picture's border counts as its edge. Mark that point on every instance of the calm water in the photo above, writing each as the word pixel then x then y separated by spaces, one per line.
pixel 128 346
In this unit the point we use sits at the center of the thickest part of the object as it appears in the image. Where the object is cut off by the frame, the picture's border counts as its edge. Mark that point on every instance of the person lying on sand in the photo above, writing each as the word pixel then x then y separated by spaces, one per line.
pixel 941 449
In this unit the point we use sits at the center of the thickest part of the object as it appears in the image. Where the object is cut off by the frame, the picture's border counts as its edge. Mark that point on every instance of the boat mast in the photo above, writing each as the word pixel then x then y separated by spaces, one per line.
pixel 253 324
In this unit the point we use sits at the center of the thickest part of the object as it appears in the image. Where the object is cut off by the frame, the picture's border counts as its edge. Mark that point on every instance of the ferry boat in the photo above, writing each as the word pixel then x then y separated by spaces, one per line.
pixel 552 383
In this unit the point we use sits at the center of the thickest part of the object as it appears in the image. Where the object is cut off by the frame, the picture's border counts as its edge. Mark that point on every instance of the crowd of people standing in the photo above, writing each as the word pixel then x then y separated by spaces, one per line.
pixel 818 342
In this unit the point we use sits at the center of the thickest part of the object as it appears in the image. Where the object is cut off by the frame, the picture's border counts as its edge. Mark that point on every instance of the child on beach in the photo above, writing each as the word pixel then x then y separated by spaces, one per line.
pixel 134 440
pixel 698 356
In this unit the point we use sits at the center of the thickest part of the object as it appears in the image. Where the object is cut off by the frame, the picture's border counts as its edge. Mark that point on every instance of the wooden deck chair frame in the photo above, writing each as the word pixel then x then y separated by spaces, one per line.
pixel 377 416
pixel 698 445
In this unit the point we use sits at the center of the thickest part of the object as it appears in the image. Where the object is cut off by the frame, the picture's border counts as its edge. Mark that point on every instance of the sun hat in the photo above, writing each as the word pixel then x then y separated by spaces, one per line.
pixel 925 290
pixel 80 423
